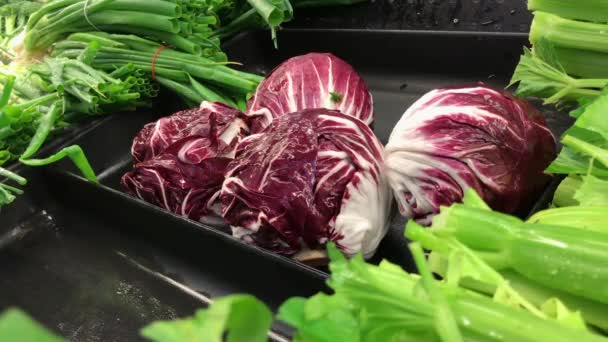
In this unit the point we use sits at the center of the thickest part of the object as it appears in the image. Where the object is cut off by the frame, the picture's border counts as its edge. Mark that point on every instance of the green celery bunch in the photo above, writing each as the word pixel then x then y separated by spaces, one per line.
pixel 587 10
pixel 378 303
pixel 569 33
pixel 384 303
pixel 581 47
pixel 13 19
pixel 540 73
pixel 546 259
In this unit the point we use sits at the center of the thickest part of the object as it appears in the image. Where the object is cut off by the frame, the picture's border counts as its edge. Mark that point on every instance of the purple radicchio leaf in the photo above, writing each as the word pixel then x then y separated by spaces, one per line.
pixel 314 80
pixel 468 136
pixel 180 160
pixel 310 177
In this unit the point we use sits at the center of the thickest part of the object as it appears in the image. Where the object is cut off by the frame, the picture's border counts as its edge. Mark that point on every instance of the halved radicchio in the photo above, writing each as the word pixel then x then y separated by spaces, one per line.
pixel 179 160
pixel 311 177
pixel 470 136
pixel 314 80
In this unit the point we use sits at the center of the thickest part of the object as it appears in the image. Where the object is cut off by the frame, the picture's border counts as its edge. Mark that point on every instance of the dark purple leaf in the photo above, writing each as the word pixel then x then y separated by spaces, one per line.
pixel 180 160
pixel 312 176
pixel 314 80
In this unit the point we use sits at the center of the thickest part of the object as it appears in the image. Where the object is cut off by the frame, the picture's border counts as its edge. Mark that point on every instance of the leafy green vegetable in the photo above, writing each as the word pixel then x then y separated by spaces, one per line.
pixel 7 192
pixel 541 74
pixel 17 326
pixel 13 19
pixel 585 158
pixel 243 317
pixel 384 303
pixel 322 318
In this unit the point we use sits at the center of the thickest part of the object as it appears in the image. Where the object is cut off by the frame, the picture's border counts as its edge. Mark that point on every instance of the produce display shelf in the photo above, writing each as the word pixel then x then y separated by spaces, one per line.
pixel 93 263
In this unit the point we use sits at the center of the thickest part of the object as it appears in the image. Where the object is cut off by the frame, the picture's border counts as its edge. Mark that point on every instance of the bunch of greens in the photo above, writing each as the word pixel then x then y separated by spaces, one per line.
pixel 569 58
pixel 540 74
pixel 584 158
pixel 50 96
pixel 186 25
pixel 194 78
pixel 13 19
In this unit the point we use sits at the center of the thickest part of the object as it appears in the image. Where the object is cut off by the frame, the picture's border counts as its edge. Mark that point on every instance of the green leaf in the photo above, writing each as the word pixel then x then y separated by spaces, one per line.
pixel 243 317
pixel 472 199
pixel 544 50
pixel 593 191
pixel 564 194
pixel 17 326
pixel 335 97
pixel 556 310
pixel 384 296
pixel 75 154
pixel 321 318
pixel 445 322
pixel 585 142
pixel 540 74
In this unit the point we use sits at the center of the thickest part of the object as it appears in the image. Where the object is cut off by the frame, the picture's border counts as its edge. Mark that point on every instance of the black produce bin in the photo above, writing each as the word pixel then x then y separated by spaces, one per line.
pixel 94 264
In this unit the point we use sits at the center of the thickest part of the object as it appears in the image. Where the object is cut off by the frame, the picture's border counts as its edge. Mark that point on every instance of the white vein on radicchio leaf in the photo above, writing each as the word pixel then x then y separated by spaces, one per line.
pixel 179 160
pixel 311 177
pixel 314 80
pixel 468 136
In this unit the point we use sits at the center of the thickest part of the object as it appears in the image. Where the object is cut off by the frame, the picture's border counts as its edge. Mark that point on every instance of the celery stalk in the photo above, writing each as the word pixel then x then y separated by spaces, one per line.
pixel 583 63
pixel 569 33
pixel 594 313
pixel 564 194
pixel 588 10
pixel 565 258
pixel 384 303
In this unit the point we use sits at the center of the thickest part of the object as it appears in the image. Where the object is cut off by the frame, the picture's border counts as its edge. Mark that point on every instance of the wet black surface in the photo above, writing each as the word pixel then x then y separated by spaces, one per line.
pixel 78 285
pixel 451 15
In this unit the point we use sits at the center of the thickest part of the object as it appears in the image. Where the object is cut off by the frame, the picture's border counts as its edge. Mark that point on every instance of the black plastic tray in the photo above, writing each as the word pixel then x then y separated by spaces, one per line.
pixel 89 261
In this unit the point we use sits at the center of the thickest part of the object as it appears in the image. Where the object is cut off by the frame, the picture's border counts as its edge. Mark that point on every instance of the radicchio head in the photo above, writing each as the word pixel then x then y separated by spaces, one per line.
pixel 469 136
pixel 311 177
pixel 314 80
pixel 179 160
